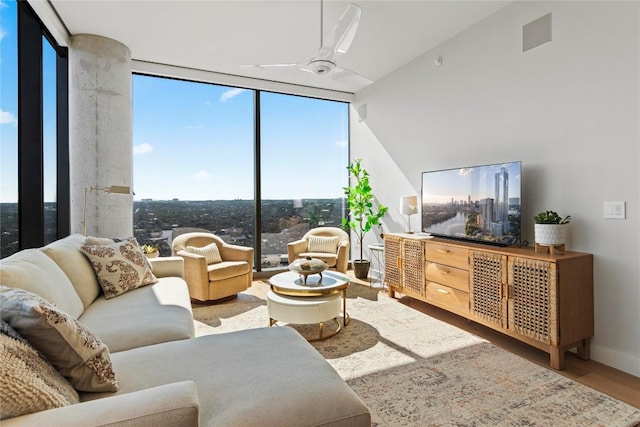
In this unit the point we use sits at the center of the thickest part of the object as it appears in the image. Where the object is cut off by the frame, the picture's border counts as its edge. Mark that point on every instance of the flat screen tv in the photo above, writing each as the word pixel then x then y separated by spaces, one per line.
pixel 478 203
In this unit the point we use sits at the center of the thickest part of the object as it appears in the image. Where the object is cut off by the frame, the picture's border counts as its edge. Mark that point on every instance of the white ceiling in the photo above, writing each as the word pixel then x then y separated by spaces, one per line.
pixel 221 36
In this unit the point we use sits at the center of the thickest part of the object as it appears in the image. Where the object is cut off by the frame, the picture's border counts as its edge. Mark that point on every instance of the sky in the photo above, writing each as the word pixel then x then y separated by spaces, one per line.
pixel 194 141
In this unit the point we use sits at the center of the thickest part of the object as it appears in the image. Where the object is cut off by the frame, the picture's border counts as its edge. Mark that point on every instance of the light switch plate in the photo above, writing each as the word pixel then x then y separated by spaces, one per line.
pixel 614 210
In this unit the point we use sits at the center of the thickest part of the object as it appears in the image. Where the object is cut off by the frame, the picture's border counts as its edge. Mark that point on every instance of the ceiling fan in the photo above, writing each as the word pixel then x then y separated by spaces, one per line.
pixel 337 44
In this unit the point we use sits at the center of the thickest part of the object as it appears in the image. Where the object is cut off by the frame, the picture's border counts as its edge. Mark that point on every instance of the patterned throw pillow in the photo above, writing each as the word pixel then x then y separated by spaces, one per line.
pixel 28 382
pixel 120 266
pixel 72 349
pixel 323 244
pixel 210 252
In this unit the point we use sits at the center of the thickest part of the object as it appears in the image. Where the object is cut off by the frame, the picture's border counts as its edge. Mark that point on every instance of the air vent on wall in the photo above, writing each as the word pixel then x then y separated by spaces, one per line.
pixel 536 33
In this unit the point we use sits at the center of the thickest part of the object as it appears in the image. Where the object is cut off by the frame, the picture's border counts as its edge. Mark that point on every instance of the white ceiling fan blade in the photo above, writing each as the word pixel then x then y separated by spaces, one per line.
pixel 346 75
pixel 271 66
pixel 342 34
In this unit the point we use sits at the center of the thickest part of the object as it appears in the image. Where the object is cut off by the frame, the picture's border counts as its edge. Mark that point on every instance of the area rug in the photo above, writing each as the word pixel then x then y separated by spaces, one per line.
pixel 413 370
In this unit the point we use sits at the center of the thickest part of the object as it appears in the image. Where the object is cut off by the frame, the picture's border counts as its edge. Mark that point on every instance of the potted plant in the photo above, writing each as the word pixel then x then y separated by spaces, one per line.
pixel 550 228
pixel 362 212
pixel 151 251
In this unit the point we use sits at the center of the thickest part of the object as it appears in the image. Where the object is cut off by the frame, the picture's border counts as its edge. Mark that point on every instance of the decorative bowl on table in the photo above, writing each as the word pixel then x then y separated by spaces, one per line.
pixel 307 266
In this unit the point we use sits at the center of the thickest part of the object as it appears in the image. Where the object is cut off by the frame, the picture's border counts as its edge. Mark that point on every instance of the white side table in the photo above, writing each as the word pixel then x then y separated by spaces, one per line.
pixel 305 310
pixel 377 260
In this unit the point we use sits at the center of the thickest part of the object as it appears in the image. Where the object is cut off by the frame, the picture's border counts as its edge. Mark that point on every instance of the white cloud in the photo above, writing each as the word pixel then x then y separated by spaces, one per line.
pixel 144 148
pixel 201 176
pixel 342 143
pixel 3 34
pixel 231 93
pixel 8 117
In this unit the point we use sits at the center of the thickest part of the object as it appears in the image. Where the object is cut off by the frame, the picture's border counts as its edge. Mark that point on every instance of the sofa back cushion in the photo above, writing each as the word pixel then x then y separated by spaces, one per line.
pixel 33 271
pixel 67 254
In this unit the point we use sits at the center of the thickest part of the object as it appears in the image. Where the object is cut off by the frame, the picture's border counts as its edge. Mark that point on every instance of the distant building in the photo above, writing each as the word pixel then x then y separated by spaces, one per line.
pixel 501 206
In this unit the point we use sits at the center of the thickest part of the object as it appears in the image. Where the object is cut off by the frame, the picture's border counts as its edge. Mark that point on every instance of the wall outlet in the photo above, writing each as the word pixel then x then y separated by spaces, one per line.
pixel 614 210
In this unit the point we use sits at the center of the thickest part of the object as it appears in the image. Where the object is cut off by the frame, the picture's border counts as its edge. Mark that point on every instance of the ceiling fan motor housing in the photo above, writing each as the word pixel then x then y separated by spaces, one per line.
pixel 321 66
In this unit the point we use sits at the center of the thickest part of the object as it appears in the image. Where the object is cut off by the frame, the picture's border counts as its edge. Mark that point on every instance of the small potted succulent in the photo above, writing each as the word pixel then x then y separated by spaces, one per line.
pixel 550 228
pixel 151 251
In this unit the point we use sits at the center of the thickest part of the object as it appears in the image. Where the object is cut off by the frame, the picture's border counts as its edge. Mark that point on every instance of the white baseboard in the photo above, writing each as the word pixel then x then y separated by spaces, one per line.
pixel 616 359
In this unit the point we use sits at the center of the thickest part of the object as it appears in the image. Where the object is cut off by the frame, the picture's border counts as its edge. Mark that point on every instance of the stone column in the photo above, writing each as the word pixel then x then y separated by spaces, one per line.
pixel 100 136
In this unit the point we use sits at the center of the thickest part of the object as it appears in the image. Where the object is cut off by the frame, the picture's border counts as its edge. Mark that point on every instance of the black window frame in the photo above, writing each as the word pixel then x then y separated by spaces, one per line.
pixel 31 219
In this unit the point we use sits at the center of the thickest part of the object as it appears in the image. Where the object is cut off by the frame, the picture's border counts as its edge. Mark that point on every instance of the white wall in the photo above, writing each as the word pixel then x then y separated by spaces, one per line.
pixel 569 110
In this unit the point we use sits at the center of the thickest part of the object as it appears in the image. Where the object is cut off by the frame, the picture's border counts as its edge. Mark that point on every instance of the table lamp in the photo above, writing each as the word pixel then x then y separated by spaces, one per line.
pixel 409 206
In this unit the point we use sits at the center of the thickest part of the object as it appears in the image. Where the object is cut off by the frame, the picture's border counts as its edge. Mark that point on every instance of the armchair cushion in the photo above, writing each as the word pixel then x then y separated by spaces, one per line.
pixel 120 266
pixel 210 252
pixel 226 269
pixel 78 354
pixel 323 244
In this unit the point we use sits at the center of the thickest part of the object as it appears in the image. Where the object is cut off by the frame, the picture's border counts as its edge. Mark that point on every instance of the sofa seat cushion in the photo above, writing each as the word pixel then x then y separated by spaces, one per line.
pixel 257 377
pixel 144 316
pixel 33 271
pixel 67 254
pixel 28 382
pixel 226 269
pixel 330 259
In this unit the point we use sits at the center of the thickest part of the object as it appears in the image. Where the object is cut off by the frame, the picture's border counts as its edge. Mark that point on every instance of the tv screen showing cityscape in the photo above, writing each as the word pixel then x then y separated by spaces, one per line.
pixel 480 203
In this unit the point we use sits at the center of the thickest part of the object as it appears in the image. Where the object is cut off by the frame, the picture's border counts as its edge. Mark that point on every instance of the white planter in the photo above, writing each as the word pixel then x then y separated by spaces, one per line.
pixel 550 234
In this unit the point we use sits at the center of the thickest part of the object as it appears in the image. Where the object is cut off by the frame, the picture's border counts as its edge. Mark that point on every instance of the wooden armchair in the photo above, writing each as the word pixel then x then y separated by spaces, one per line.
pixel 213 268
pixel 330 244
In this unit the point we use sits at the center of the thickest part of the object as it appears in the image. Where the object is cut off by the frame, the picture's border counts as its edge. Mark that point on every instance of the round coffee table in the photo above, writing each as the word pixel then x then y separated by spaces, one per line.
pixel 308 299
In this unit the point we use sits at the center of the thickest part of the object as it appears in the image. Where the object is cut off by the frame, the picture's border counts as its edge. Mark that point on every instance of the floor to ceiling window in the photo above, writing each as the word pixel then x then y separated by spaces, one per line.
pixel 303 153
pixel 193 161
pixel 204 153
pixel 34 171
pixel 9 231
pixel 49 140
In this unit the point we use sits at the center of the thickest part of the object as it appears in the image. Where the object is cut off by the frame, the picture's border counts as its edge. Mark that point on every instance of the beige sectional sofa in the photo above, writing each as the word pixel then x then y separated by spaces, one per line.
pixel 166 376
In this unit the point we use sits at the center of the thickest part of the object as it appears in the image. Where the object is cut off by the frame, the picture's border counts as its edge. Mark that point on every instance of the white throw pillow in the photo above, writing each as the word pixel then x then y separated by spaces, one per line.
pixel 210 252
pixel 78 354
pixel 120 267
pixel 323 244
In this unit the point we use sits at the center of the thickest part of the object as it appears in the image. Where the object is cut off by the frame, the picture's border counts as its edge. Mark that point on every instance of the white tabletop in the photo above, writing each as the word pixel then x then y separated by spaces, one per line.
pixel 291 283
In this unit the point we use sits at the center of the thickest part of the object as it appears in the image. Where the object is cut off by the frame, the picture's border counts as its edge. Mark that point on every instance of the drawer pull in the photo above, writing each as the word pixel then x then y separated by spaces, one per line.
pixel 443 291
pixel 443 251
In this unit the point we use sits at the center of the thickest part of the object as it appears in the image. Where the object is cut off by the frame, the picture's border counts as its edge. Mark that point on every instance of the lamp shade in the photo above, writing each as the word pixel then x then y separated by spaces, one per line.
pixel 409 205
